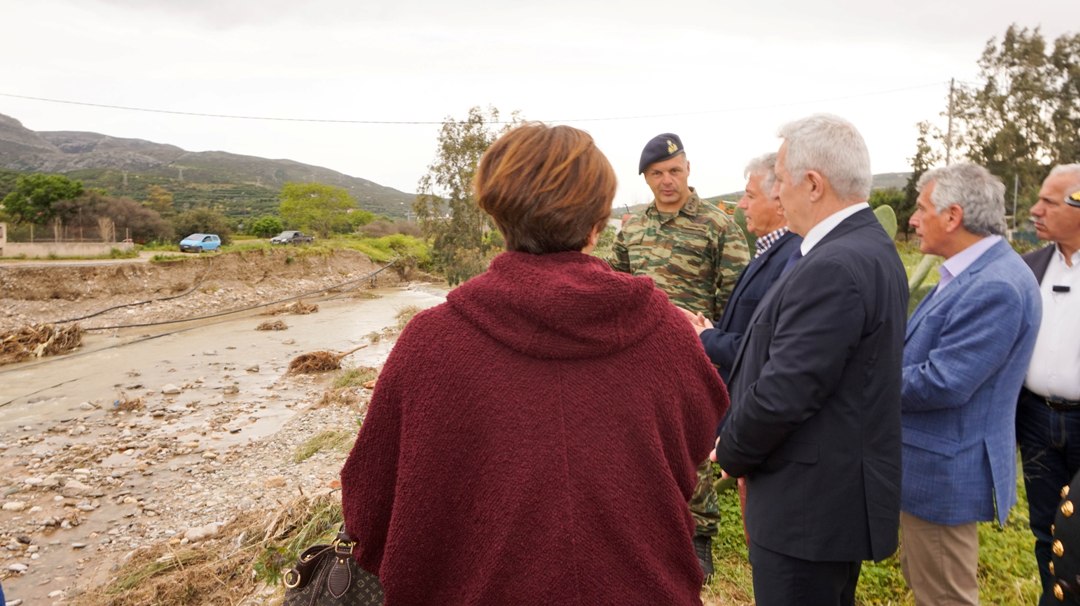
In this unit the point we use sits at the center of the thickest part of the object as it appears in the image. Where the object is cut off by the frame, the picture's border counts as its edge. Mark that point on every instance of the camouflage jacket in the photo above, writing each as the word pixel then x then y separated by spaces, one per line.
pixel 694 255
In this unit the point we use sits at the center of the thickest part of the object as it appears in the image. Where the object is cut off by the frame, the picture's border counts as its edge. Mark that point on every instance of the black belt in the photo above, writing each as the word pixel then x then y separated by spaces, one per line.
pixel 1055 403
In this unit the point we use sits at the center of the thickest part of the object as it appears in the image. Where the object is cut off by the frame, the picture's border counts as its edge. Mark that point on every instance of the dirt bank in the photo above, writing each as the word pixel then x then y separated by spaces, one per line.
pixel 184 287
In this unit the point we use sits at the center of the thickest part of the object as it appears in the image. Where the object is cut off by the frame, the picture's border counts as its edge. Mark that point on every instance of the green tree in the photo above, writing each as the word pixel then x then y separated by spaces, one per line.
pixel 34 196
pixel 265 226
pixel 160 200
pixel 1024 115
pixel 202 221
pixel 924 159
pixel 463 238
pixel 359 218
pixel 316 207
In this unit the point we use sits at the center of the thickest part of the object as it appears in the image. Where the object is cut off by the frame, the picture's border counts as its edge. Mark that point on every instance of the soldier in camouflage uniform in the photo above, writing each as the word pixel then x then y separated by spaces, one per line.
pixel 694 252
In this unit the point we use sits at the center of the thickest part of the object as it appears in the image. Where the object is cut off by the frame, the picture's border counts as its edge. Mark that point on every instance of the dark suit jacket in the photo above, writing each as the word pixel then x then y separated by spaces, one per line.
pixel 1039 260
pixel 814 424
pixel 722 342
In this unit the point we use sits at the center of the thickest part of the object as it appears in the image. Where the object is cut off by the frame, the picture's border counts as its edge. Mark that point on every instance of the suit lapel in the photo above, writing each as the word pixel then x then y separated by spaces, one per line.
pixel 856 221
pixel 958 284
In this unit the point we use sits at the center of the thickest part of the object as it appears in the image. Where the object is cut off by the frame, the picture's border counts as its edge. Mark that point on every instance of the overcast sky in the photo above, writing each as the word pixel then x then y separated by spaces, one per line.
pixel 722 75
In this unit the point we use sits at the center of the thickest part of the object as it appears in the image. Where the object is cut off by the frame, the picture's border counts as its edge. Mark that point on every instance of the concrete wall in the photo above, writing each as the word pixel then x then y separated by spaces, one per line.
pixel 45 250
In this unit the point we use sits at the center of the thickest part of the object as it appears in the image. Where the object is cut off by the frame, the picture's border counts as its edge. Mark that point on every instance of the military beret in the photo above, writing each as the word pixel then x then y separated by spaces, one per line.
pixel 1065 548
pixel 659 148
pixel 1073 199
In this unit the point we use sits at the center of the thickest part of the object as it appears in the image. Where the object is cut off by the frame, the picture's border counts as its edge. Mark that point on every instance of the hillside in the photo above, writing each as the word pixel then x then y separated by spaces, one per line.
pixel 241 186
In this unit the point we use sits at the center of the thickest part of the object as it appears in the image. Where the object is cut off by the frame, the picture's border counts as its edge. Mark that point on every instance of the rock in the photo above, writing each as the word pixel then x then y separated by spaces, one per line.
pixel 210 455
pixel 170 390
pixel 200 533
pixel 275 482
pixel 56 593
pixel 86 406
pixel 14 506
pixel 78 545
pixel 254 368
pixel 75 488
pixel 18 568
pixel 34 481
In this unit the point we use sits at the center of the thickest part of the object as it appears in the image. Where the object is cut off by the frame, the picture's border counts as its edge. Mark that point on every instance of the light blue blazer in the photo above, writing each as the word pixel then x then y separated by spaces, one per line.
pixel 966 353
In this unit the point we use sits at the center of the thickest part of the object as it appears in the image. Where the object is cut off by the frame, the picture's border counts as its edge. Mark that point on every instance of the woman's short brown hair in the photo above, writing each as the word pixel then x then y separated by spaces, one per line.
pixel 546 187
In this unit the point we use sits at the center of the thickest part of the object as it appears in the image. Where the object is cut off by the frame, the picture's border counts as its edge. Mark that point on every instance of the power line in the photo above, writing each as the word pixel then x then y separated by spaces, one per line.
pixel 439 122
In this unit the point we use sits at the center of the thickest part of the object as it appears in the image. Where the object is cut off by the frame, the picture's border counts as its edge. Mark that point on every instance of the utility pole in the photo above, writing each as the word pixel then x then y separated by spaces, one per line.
pixel 1016 193
pixel 948 134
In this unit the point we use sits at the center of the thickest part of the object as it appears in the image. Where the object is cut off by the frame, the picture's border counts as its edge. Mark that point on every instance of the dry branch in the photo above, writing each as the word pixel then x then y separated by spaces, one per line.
pixel 319 361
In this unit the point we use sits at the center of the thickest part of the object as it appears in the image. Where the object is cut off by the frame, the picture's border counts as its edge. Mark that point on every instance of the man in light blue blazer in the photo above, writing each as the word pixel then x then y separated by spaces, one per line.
pixel 966 352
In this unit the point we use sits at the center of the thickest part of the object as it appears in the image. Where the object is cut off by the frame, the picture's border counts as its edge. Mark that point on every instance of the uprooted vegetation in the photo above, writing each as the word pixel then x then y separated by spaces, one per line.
pixel 38 340
pixel 251 550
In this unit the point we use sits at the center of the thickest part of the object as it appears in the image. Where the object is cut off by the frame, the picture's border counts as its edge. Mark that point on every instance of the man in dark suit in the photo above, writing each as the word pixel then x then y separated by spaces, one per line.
pixel 967 349
pixel 774 246
pixel 814 425
pixel 1048 413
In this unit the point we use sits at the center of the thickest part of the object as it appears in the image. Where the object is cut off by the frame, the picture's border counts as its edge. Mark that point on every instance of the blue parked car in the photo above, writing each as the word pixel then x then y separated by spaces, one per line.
pixel 200 243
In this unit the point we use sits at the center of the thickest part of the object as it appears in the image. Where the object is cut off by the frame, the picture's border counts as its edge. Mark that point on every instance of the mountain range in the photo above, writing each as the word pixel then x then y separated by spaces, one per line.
pixel 240 186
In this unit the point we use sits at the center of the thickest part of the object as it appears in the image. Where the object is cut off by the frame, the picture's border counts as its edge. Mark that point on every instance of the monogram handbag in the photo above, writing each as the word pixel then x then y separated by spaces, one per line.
pixel 328 575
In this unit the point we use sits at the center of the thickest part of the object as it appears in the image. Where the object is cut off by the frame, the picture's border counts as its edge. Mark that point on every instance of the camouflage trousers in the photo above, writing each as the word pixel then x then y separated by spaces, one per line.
pixel 703 504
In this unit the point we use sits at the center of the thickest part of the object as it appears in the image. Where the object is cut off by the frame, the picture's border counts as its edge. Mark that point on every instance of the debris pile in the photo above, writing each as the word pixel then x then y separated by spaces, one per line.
pixel 38 340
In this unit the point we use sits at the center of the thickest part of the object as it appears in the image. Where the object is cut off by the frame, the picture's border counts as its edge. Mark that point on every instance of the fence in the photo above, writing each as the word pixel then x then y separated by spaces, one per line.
pixel 74 242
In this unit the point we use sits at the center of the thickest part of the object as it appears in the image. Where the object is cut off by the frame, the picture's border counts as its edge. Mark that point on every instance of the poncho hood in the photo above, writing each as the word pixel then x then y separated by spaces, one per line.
pixel 559 305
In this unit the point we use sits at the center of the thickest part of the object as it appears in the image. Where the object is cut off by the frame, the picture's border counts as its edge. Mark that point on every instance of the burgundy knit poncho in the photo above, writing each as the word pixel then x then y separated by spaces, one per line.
pixel 533 441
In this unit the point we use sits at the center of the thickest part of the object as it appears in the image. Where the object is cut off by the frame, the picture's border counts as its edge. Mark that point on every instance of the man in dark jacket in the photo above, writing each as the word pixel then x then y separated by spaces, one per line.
pixel 815 386
pixel 774 245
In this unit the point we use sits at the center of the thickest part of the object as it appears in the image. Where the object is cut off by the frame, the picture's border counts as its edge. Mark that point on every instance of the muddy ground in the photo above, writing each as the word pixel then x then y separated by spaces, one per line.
pixel 215 421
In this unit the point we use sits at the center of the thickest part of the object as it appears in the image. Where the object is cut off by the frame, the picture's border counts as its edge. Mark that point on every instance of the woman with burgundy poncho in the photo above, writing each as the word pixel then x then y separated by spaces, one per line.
pixel 533 440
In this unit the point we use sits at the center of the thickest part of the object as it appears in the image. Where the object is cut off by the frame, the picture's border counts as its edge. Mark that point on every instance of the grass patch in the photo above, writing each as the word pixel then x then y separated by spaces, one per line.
pixel 355 377
pixel 310 523
pixel 331 439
